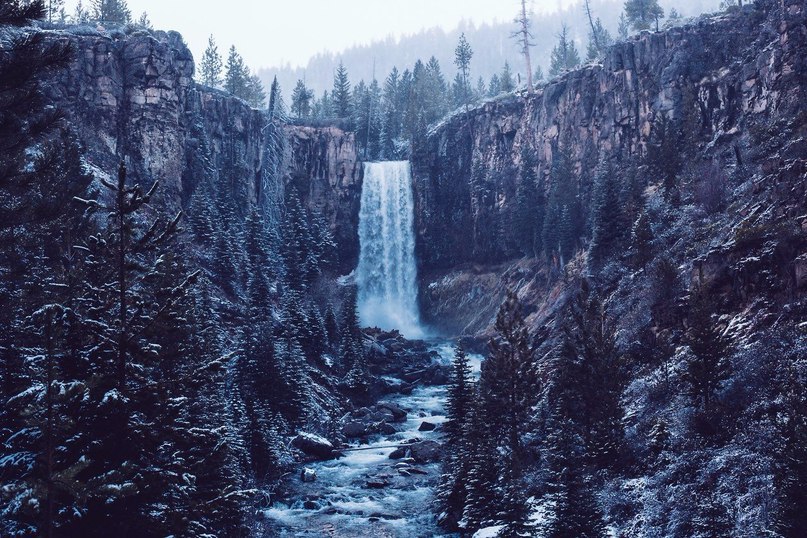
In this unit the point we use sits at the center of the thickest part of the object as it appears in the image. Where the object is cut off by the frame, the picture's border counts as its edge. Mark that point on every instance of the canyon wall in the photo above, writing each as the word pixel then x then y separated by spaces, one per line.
pixel 132 95
pixel 741 76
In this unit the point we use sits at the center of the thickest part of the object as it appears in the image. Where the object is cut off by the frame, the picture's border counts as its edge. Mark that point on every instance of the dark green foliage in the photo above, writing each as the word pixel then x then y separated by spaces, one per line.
pixel 599 39
pixel 342 103
pixel 664 155
pixel 452 490
pixel 576 512
pixel 462 59
pixel 482 500
pixel 212 65
pixel 590 378
pixel 708 367
pixel 506 82
pixel 564 54
pixel 641 14
pixel 563 220
pixel 642 240
pixel 351 347
pixel 608 226
pixel 241 83
pixel 507 381
pixel 301 100
pixel 530 205
pixel 112 11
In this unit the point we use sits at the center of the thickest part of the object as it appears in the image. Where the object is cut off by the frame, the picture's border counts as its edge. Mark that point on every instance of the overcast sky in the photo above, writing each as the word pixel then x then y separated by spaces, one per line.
pixel 272 32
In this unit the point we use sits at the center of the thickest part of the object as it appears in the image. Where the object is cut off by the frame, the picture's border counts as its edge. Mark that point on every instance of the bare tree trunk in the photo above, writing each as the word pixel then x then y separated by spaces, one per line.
pixel 525 42
pixel 591 24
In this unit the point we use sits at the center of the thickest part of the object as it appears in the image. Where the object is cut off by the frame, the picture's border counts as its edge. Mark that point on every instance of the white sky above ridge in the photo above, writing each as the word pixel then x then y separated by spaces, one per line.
pixel 275 32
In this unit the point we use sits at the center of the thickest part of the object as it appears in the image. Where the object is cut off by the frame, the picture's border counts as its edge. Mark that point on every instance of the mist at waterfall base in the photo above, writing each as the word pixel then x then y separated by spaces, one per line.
pixel 387 272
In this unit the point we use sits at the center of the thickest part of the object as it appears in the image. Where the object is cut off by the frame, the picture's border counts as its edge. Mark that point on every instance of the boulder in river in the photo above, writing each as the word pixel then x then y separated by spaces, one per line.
pixel 398 414
pixel 425 451
pixel 426 426
pixel 314 446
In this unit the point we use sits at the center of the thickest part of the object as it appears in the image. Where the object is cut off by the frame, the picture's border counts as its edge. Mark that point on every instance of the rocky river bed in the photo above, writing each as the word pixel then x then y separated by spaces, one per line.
pixel 383 483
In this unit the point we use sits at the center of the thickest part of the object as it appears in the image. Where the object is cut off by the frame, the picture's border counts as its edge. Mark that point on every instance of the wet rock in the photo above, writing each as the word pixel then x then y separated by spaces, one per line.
pixel 426 426
pixel 310 505
pixel 398 453
pixel 354 429
pixel 387 429
pixel 314 446
pixel 376 484
pixel 425 451
pixel 398 414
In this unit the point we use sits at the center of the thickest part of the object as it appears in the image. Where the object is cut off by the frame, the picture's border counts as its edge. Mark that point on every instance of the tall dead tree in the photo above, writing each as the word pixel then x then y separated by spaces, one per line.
pixel 524 38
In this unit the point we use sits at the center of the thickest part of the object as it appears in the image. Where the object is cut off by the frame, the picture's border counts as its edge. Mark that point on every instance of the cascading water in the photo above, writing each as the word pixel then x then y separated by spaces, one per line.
pixel 387 275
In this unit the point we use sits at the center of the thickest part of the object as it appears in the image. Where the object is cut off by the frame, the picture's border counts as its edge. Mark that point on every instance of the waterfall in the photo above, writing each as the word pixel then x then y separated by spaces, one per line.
pixel 387 276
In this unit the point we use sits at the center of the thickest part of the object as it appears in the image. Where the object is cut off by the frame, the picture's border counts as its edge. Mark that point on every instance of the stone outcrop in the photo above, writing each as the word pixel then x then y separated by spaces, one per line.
pixel 741 77
pixel 133 95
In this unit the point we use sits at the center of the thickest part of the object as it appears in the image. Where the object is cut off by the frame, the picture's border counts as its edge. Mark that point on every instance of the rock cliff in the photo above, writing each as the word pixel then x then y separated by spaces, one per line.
pixel 741 76
pixel 133 95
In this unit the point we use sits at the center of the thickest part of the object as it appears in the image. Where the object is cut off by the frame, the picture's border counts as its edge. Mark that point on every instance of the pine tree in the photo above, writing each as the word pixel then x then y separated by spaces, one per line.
pixel 144 21
pixel 590 379
pixel 481 504
pixel 507 381
pixel 564 55
pixel 642 240
pixel 530 205
pixel 624 27
pixel 494 86
pixel 708 367
pixel 599 39
pixel 341 95
pixel 112 11
pixel 608 228
pixel 563 218
pixel 301 100
pixel 212 65
pixel 664 154
pixel 234 80
pixel 254 94
pixel 351 348
pixel 576 512
pixel 277 108
pixel 462 59
pixel 506 82
pixel 452 489
pixel 392 114
pixel 642 13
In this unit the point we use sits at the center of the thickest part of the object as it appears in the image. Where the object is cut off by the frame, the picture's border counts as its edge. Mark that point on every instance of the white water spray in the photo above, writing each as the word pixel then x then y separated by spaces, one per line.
pixel 387 275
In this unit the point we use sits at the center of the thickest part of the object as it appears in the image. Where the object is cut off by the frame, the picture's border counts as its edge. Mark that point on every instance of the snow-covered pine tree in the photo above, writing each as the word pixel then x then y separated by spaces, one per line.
pixel 452 488
pixel 210 69
pixel 608 229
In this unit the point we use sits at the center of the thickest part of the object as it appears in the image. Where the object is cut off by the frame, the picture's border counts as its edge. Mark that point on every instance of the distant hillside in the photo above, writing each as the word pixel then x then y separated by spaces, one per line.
pixel 491 43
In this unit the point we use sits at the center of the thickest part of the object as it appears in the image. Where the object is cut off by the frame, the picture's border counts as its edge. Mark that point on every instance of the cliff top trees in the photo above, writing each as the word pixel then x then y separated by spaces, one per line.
pixel 239 82
pixel 301 100
pixel 564 54
pixel 462 59
pixel 112 11
pixel 211 67
pixel 340 95
pixel 642 13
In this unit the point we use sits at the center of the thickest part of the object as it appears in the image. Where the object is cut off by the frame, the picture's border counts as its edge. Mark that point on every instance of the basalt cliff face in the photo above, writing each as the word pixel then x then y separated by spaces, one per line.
pixel 132 96
pixel 742 80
